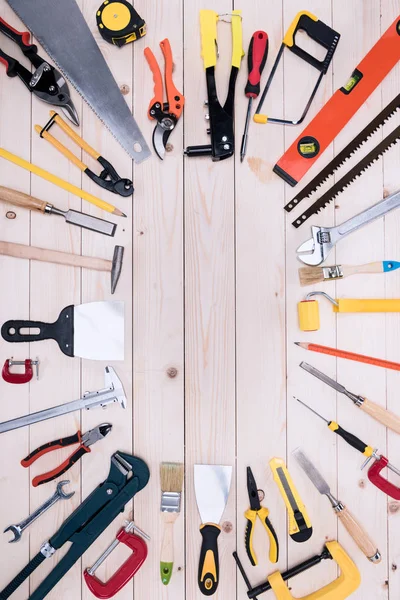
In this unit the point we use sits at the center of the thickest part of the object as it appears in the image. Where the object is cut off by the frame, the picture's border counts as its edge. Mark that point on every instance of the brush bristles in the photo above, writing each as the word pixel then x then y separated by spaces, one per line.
pixel 171 475
pixel 311 275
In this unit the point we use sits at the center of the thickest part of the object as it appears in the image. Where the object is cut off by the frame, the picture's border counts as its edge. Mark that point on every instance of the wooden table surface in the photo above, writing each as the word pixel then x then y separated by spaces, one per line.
pixel 210 287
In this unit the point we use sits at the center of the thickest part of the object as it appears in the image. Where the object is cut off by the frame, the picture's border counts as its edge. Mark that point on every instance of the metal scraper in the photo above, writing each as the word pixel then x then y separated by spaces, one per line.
pixel 63 32
pixel 211 484
pixel 94 330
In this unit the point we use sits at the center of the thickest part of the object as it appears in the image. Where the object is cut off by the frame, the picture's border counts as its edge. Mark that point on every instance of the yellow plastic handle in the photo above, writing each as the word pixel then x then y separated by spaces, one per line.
pixel 288 40
pixel 208 31
pixel 237 38
pixel 354 305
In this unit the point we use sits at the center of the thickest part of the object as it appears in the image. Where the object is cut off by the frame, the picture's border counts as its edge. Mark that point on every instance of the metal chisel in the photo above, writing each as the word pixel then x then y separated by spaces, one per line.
pixel 386 417
pixel 357 532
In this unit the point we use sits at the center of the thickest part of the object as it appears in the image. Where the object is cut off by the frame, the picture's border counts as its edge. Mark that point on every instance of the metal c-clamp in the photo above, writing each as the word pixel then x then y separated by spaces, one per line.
pixel 20 377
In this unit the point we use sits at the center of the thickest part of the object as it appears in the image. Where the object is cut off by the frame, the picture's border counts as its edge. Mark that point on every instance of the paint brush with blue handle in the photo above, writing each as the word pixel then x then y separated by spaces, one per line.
pixel 313 275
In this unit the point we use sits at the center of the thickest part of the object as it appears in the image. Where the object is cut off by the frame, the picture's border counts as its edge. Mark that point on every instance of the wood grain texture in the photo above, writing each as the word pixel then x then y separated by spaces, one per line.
pixel 210 287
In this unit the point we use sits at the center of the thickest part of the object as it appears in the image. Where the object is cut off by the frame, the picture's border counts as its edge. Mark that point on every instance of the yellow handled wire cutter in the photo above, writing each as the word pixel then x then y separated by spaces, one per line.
pixel 256 510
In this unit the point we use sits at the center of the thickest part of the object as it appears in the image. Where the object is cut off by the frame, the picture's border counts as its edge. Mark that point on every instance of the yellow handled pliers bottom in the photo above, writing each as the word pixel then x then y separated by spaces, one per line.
pixel 262 514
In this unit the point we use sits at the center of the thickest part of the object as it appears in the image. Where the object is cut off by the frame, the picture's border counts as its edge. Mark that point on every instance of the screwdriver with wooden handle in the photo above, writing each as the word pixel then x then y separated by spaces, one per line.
pixel 256 59
pixel 71 216
pixel 384 416
pixel 357 532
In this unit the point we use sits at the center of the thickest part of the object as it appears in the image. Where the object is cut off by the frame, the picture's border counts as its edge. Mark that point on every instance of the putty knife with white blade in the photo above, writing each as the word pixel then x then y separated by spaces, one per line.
pixel 94 330
pixel 357 532
pixel 211 484
pixel 61 29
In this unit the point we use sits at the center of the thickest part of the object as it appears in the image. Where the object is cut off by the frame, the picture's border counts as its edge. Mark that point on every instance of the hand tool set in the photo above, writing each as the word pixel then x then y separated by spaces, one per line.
pixel 137 544
pixel 256 59
pixel 299 524
pixel 369 360
pixel 314 275
pixel 166 113
pixel 256 510
pixel 128 475
pixel 212 484
pixel 357 532
pixel 322 35
pixel 18 378
pixel 113 266
pixel 381 462
pixel 377 412
pixel 221 128
pixel 94 330
pixel 171 479
pixel 87 439
pixel 344 103
pixel 119 23
pixel 108 178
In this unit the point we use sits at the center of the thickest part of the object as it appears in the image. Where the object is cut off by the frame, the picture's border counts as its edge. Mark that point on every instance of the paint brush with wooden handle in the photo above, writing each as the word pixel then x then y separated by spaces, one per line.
pixel 313 275
pixel 171 475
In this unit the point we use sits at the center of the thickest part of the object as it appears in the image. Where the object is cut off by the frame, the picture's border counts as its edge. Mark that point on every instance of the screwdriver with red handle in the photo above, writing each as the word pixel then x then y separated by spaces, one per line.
pixel 256 59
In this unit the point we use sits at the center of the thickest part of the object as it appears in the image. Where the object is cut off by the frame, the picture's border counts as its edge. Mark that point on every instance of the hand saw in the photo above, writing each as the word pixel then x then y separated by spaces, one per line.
pixel 344 103
pixel 78 57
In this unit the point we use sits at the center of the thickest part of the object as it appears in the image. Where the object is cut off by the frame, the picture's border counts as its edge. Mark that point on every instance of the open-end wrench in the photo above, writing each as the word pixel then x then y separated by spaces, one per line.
pixel 314 251
pixel 59 494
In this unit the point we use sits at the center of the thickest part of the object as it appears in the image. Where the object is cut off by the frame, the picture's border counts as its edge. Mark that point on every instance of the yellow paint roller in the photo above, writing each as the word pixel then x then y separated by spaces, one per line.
pixel 308 310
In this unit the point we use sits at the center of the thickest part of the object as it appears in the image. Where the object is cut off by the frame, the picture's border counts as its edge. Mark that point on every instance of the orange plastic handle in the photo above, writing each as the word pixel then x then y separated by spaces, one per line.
pixel 175 99
pixel 157 79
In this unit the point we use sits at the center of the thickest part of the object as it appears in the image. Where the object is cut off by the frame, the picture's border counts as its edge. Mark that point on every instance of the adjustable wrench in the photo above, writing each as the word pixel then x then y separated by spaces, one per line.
pixel 59 494
pixel 314 251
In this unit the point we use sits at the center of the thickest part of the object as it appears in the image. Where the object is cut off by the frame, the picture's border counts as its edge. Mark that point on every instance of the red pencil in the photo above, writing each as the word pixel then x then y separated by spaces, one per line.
pixel 370 360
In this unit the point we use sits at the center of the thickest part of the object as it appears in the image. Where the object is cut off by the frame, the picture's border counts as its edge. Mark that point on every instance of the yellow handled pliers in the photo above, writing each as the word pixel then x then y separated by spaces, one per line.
pixel 251 515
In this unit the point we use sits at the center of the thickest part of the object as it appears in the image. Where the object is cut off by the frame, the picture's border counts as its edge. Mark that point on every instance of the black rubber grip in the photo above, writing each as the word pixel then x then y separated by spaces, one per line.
pixel 351 439
pixel 63 468
pixel 22 576
pixel 61 443
pixel 10 64
pixel 247 535
pixel 208 581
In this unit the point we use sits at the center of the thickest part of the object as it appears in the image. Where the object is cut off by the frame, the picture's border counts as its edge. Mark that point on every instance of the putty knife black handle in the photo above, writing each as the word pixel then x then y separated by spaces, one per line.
pixel 62 331
pixel 208 577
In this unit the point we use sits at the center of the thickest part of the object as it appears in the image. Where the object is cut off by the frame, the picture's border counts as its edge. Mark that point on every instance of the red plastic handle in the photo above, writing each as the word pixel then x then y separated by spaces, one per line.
pixel 17 377
pixel 383 484
pixel 257 56
pixel 124 573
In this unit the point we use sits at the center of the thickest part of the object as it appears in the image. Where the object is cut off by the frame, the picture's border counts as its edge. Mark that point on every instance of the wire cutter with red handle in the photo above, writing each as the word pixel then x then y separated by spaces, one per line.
pixel 165 113
pixel 84 441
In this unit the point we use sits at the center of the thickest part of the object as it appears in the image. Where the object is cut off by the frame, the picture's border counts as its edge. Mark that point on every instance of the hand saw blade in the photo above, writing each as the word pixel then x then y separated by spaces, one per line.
pixel 345 154
pixel 75 52
pixel 347 179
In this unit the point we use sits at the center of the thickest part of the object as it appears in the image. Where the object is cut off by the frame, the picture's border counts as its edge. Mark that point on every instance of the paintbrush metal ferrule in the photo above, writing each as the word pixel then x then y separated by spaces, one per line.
pixel 332 272
pixel 171 502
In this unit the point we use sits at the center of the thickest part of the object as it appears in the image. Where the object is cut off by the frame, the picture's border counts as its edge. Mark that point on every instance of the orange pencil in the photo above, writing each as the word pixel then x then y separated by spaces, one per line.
pixel 370 360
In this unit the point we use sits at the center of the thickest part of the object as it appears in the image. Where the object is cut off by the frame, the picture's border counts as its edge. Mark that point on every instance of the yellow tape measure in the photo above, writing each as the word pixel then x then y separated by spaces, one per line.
pixel 119 23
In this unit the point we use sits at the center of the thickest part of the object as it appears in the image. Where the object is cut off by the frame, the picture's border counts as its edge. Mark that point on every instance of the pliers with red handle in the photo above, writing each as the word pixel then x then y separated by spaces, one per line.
pixel 84 441
pixel 165 113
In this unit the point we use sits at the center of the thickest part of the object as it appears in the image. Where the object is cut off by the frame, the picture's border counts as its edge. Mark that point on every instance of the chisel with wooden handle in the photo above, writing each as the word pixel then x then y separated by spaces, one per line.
pixel 113 266
pixel 384 416
pixel 357 532
pixel 71 216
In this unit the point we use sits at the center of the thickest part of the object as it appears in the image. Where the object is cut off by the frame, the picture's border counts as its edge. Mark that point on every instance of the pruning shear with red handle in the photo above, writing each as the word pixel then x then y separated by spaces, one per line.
pixel 165 113
pixel 84 441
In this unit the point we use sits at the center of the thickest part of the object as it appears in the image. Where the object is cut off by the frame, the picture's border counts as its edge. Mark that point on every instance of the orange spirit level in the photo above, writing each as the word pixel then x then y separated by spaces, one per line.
pixel 345 102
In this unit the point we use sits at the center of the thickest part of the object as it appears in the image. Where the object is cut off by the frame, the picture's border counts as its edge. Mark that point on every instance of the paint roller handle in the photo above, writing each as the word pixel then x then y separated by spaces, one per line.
pixel 360 536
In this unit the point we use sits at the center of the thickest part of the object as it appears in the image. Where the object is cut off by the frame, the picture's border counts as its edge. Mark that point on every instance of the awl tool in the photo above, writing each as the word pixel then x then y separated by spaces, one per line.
pixel 384 416
pixel 380 461
pixel 314 251
pixel 299 526
pixel 256 510
pixel 166 113
pixel 84 440
pixel 73 217
pixel 357 532
pixel 348 581
pixel 256 59
pixel 128 475
pixel 46 83
pixel 112 392
pixel 113 266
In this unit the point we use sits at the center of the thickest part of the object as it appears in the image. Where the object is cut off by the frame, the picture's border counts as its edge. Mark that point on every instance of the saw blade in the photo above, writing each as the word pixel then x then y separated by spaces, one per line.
pixel 76 54
pixel 345 154
pixel 347 179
